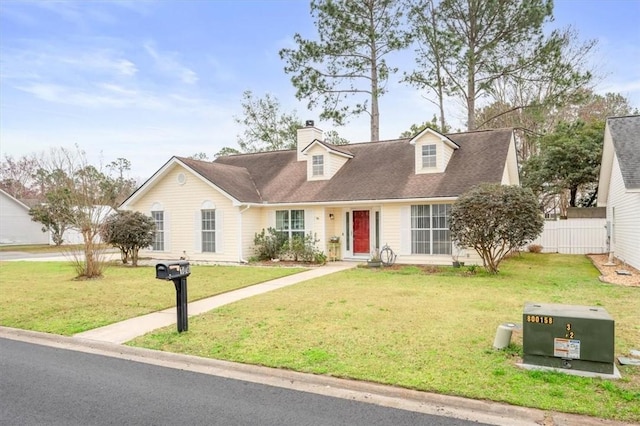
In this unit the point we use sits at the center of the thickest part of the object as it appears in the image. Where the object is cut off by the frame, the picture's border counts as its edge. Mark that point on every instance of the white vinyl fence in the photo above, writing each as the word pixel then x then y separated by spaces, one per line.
pixel 574 236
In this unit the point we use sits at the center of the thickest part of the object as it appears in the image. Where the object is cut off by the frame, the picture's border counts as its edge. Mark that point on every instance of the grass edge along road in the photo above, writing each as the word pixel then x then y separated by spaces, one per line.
pixel 44 296
pixel 431 332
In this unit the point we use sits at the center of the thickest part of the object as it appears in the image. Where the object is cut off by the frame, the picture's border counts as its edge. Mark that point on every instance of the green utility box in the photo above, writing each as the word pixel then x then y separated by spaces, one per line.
pixel 568 336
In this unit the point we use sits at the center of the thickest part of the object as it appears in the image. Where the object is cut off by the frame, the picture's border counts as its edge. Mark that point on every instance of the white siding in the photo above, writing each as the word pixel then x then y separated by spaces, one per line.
pixel 510 174
pixel 626 224
pixel 252 223
pixel 305 136
pixel 313 222
pixel 574 236
pixel 396 232
pixel 443 153
pixel 505 176
pixel 335 163
pixel 317 149
pixel 428 139
pixel 447 152
pixel 182 204
pixel 332 228
pixel 16 226
pixel 332 162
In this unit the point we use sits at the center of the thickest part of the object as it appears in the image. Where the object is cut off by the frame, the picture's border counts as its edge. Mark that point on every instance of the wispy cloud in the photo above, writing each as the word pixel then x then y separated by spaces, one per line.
pixel 102 96
pixel 62 62
pixel 110 95
pixel 168 63
pixel 100 60
pixel 92 76
pixel 81 14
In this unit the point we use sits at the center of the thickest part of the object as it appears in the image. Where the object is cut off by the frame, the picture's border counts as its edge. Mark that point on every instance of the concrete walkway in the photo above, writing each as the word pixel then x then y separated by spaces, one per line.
pixel 123 331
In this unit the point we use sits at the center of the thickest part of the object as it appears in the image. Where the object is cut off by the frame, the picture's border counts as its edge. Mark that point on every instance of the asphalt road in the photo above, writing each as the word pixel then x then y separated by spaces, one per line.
pixel 41 385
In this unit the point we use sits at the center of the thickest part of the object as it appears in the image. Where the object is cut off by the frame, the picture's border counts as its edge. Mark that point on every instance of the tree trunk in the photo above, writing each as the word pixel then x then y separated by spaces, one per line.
pixel 441 105
pixel 471 70
pixel 573 196
pixel 593 198
pixel 375 119
pixel 124 255
pixel 471 103
pixel 89 259
pixel 92 264
pixel 437 52
pixel 375 112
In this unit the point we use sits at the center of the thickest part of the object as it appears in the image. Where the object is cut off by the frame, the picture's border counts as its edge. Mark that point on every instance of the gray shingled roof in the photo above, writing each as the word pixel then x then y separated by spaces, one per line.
pixel 378 170
pixel 625 133
pixel 337 148
pixel 234 180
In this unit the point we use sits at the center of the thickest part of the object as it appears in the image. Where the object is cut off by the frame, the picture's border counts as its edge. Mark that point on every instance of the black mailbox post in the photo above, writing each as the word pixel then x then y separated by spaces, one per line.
pixel 177 272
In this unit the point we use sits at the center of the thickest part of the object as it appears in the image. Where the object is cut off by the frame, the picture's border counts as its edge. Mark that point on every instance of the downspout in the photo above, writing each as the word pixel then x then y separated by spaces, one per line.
pixel 240 258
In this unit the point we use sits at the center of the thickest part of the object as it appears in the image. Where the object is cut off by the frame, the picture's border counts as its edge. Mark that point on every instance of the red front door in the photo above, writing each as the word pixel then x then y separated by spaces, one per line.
pixel 361 231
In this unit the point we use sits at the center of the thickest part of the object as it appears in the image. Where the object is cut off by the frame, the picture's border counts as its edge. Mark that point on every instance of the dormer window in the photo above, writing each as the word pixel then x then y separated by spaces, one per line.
pixel 428 156
pixel 318 165
pixel 319 155
pixel 433 151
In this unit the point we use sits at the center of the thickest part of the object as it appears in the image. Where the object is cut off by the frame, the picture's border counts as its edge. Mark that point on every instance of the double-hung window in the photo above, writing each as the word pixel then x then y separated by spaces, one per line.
pixel 441 236
pixel 208 226
pixel 317 166
pixel 430 229
pixel 157 243
pixel 290 223
pixel 428 156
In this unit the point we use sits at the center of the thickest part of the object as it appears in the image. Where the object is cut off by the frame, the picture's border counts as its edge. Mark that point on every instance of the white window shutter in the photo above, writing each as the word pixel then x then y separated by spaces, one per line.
pixel 167 231
pixel 197 231
pixel 405 230
pixel 271 219
pixel 308 221
pixel 219 231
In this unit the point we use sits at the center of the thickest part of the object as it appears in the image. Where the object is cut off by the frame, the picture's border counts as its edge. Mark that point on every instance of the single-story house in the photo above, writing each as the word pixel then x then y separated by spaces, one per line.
pixel 619 187
pixel 395 192
pixel 16 226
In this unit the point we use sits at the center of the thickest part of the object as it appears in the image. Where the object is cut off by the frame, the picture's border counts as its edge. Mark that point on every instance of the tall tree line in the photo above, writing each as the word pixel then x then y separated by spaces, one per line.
pixel 476 52
pixel 500 62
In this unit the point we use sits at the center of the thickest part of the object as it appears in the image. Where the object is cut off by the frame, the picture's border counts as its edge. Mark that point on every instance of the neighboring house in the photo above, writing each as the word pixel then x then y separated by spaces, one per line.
pixel 619 186
pixel 99 213
pixel 396 192
pixel 16 226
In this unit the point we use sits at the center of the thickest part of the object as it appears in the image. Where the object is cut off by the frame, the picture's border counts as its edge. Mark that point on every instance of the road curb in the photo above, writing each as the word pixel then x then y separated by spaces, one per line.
pixel 372 393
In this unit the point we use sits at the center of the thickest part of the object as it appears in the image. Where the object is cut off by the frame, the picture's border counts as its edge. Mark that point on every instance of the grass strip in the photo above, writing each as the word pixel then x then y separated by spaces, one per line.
pixel 44 296
pixel 425 331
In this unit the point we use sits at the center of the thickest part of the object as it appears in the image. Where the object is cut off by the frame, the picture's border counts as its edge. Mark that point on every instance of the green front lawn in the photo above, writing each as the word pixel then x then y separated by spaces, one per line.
pixel 431 332
pixel 44 296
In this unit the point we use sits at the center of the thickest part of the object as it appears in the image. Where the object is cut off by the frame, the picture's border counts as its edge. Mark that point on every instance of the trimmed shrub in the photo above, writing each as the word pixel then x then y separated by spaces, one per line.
pixel 534 248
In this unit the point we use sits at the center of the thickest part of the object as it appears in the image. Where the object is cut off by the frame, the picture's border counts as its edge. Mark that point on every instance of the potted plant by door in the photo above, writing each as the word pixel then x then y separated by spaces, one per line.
pixel 374 261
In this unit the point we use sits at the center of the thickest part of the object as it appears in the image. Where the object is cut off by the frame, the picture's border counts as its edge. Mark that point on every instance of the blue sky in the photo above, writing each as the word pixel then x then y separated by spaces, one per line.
pixel 146 80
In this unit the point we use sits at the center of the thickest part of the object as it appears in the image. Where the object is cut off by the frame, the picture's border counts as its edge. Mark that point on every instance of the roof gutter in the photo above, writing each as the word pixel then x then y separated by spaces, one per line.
pixel 354 202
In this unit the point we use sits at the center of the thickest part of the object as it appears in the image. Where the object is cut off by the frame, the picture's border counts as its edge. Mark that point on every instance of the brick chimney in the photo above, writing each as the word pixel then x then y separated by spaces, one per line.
pixel 306 135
